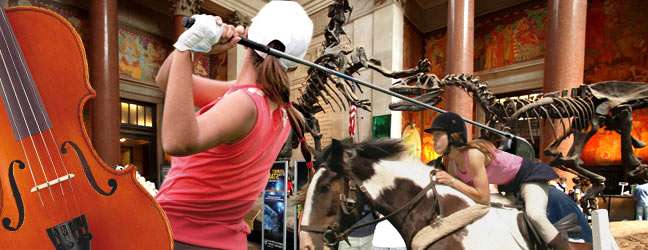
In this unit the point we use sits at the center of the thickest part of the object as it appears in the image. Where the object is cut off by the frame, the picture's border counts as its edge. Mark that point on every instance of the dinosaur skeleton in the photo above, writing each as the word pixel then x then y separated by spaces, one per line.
pixel 605 105
pixel 338 92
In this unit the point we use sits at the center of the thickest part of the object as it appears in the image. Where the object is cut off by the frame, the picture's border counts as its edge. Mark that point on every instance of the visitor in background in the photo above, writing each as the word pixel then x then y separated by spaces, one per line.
pixel 641 195
pixel 576 192
pixel 561 184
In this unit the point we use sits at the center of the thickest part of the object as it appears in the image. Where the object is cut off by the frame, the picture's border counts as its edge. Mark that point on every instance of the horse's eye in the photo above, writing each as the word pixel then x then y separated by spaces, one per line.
pixel 324 188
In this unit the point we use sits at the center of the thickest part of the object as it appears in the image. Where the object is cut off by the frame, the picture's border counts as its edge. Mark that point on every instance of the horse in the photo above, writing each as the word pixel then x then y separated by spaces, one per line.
pixel 379 173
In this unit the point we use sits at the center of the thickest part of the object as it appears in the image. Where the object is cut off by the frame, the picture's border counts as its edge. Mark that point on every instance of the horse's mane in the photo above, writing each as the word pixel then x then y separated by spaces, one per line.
pixel 373 150
pixel 378 149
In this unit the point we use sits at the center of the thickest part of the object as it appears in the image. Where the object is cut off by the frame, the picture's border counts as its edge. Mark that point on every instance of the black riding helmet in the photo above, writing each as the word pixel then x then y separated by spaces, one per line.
pixel 450 123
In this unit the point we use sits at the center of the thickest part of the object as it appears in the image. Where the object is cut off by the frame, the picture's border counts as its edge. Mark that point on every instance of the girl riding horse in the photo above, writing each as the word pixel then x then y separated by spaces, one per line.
pixel 473 165
pixel 381 174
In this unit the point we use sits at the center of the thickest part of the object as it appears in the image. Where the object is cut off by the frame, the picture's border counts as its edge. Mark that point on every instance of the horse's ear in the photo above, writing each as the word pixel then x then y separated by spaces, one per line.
pixel 336 158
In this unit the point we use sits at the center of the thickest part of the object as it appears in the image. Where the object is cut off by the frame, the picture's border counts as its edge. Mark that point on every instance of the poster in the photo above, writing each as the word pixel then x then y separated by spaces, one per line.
pixel 273 235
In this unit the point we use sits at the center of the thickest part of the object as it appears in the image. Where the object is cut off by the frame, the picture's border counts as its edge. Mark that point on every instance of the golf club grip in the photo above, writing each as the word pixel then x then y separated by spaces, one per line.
pixel 187 22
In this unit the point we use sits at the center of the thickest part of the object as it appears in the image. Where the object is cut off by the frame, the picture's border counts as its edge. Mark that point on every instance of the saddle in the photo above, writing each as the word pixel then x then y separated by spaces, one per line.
pixel 566 225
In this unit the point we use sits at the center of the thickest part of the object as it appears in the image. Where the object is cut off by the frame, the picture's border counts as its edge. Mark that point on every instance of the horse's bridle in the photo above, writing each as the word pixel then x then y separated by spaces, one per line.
pixel 348 207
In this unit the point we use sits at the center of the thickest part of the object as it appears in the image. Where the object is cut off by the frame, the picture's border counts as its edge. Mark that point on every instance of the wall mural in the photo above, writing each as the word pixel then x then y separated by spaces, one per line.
pixel 435 48
pixel 219 67
pixel 140 56
pixel 616 48
pixel 616 41
pixel 413 50
pixel 201 65
pixel 511 38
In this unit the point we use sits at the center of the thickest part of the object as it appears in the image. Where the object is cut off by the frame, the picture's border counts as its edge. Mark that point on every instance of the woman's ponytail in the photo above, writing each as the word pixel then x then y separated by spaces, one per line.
pixel 274 82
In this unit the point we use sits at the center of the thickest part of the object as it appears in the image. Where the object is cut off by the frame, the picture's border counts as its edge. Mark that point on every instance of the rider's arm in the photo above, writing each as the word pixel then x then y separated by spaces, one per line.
pixel 479 191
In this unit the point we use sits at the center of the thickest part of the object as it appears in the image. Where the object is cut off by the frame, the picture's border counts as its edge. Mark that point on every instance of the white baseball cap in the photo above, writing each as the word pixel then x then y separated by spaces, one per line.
pixel 287 22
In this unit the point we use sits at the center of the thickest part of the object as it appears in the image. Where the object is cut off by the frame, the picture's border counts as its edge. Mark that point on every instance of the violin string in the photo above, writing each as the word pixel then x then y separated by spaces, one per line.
pixel 29 105
pixel 4 93
pixel 13 87
pixel 58 151
pixel 31 84
pixel 49 218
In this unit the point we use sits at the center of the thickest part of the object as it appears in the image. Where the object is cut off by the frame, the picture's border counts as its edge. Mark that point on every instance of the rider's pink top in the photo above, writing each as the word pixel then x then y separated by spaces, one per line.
pixel 501 170
pixel 206 195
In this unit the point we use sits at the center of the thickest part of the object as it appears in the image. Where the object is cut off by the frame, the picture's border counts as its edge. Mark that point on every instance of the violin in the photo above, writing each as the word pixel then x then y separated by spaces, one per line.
pixel 55 192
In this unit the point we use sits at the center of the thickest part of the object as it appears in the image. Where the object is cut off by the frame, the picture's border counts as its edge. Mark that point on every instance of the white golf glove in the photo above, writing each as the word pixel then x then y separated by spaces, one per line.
pixel 202 35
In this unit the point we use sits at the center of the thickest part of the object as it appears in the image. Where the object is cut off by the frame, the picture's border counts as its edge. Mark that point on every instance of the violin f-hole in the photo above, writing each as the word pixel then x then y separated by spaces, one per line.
pixel 6 222
pixel 86 169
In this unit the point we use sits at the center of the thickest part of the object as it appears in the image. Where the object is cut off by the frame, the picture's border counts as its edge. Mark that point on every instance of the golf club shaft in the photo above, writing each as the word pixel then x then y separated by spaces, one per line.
pixel 187 22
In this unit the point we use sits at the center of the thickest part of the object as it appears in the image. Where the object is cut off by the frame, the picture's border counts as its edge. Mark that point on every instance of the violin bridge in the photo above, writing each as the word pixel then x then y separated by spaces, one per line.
pixel 52 182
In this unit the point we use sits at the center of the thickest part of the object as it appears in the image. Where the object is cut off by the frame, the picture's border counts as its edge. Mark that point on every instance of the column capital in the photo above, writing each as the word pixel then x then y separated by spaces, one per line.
pixel 400 3
pixel 184 7
pixel 238 18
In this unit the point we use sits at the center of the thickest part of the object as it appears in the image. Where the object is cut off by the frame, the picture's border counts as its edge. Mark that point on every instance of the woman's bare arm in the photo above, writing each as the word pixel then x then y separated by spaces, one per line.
pixel 205 90
pixel 479 191
pixel 183 133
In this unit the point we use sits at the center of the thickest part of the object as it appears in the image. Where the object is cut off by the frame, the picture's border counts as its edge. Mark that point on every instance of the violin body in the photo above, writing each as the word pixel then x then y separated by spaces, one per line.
pixel 55 190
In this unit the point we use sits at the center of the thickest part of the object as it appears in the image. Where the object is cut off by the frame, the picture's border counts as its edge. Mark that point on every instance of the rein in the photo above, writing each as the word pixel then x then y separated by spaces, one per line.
pixel 349 203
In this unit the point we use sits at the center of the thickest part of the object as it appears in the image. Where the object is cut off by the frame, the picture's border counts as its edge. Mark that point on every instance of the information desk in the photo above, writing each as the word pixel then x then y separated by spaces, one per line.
pixel 620 207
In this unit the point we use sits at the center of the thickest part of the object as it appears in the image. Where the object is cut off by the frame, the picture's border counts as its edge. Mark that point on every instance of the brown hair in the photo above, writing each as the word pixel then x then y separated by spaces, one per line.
pixel 482 145
pixel 274 82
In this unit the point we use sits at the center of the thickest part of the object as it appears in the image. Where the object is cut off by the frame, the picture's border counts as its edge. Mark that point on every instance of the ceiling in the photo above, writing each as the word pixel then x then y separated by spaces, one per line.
pixel 427 15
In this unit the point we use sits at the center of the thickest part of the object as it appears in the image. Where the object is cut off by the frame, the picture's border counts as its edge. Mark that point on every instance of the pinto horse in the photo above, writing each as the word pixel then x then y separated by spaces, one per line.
pixel 388 180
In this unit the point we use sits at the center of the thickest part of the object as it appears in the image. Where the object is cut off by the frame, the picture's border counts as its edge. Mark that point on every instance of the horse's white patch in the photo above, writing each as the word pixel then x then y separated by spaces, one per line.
pixel 386 172
pixel 308 206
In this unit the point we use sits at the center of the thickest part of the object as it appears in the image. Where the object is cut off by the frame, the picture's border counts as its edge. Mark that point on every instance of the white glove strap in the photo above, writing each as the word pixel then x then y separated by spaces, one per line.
pixel 202 35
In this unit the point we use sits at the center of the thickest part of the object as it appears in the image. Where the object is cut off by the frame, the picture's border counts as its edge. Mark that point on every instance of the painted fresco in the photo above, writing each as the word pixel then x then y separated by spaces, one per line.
pixel 616 41
pixel 616 48
pixel 435 48
pixel 413 50
pixel 201 65
pixel 140 56
pixel 77 18
pixel 219 67
pixel 501 41
pixel 511 38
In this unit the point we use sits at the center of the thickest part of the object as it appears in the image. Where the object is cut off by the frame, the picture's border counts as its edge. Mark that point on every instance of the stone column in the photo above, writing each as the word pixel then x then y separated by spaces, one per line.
pixel 388 48
pixel 459 55
pixel 181 9
pixel 104 77
pixel 235 55
pixel 564 56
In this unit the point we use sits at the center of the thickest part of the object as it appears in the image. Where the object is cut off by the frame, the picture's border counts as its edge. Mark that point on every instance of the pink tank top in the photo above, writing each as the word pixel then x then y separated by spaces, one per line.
pixel 501 170
pixel 206 195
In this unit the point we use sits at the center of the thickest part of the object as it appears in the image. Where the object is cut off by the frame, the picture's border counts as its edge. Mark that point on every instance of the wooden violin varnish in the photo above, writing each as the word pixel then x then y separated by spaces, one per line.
pixel 56 193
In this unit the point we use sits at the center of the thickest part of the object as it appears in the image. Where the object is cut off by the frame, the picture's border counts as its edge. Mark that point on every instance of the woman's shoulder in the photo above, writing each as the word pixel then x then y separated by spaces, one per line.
pixel 474 156
pixel 473 153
